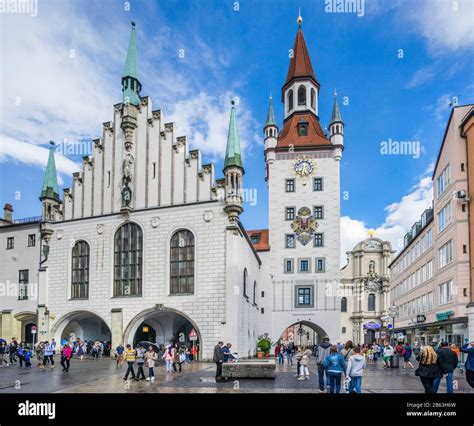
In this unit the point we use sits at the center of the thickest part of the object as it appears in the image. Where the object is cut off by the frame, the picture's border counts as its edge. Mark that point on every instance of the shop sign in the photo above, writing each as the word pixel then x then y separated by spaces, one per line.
pixel 420 318
pixel 443 316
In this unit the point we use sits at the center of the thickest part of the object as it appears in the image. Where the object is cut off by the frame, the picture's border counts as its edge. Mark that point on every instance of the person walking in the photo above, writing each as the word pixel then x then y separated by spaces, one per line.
pixel 348 350
pixel 3 353
pixel 49 354
pixel 19 352
pixel 355 370
pixel 182 357
pixel 469 364
pixel 335 366
pixel 428 369
pixel 119 350
pixel 150 360
pixel 304 371
pixel 407 352
pixel 140 358
pixel 447 362
pixel 387 355
pixel 176 359
pixel 289 353
pixel 321 353
pixel 27 354
pixel 130 357
pixel 66 355
pixel 40 354
pixel 218 358
pixel 168 356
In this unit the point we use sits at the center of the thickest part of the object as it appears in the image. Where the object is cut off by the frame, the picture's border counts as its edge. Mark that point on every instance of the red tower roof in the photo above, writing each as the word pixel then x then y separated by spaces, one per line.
pixel 315 136
pixel 300 63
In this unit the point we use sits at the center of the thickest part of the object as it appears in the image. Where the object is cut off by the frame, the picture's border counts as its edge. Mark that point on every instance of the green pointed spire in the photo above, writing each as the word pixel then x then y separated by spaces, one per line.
pixel 232 154
pixel 271 115
pixel 50 184
pixel 131 85
pixel 336 114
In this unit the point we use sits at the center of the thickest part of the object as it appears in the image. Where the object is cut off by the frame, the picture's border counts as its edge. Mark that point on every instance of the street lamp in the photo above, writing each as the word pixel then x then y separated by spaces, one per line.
pixel 300 332
pixel 393 312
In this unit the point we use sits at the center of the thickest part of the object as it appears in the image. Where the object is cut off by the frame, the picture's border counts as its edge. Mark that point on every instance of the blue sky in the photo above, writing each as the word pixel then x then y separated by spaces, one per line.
pixel 61 74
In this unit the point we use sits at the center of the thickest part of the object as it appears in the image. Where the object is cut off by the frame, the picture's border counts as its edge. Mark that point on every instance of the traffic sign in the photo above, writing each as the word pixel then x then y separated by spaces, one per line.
pixel 34 329
pixel 193 335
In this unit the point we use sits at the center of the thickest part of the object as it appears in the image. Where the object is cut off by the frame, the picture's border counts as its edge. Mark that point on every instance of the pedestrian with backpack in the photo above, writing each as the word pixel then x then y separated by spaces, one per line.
pixel 335 366
pixel 130 356
pixel 355 370
pixel 407 353
pixel 321 353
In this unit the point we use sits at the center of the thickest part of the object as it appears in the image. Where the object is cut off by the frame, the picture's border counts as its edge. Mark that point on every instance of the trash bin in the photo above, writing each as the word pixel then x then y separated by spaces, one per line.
pixel 395 361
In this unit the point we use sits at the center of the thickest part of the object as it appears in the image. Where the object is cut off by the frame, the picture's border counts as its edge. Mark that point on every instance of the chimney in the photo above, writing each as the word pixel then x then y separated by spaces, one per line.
pixel 8 213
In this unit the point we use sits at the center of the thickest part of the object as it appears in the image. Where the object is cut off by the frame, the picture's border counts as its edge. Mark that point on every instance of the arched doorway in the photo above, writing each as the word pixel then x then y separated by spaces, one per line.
pixel 81 324
pixel 303 333
pixel 164 325
pixel 26 322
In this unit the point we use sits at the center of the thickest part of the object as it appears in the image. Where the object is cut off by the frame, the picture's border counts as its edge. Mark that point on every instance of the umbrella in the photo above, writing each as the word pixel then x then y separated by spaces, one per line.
pixel 146 345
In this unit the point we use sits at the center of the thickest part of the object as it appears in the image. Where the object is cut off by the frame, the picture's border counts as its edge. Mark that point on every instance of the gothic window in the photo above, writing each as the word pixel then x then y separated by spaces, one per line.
pixel 182 262
pixel 245 282
pixel 371 302
pixel 313 98
pixel 80 271
pixel 128 260
pixel 290 100
pixel 301 95
pixel 344 304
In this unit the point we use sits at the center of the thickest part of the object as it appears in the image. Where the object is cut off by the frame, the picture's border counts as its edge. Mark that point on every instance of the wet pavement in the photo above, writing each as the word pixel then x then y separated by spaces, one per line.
pixel 91 376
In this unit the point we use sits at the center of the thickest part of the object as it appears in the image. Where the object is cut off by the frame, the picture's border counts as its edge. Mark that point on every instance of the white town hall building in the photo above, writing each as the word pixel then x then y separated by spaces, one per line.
pixel 147 244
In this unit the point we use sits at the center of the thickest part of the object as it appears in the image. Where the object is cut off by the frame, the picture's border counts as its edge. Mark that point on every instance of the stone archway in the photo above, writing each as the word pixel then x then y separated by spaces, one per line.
pixel 168 324
pixel 303 333
pixel 85 325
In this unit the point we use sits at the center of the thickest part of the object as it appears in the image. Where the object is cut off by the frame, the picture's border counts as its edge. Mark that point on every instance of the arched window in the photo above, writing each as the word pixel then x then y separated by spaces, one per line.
pixel 80 271
pixel 182 262
pixel 371 302
pixel 255 293
pixel 245 283
pixel 128 262
pixel 313 98
pixel 344 304
pixel 302 95
pixel 290 100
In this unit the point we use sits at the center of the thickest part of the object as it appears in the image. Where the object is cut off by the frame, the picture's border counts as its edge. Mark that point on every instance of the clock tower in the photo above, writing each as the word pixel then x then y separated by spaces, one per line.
pixel 304 211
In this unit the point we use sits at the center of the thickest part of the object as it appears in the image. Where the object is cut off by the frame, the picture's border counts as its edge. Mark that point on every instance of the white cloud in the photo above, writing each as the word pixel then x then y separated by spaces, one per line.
pixel 440 109
pixel 421 76
pixel 205 119
pixel 63 73
pixel 34 155
pixel 400 217
pixel 446 25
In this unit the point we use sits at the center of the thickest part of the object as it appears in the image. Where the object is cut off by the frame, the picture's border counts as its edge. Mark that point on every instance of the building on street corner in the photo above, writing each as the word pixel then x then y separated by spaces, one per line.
pixel 430 284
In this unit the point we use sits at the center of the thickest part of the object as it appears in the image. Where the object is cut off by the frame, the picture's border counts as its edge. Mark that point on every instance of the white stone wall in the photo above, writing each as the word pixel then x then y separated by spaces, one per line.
pixel 325 313
pixel 11 262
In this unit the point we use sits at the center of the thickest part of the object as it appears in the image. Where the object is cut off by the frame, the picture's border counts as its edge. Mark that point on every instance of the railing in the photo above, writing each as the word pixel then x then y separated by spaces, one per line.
pixel 28 220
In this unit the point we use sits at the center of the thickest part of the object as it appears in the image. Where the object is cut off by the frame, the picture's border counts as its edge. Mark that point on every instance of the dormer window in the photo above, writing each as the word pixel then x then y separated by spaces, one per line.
pixel 303 128
pixel 255 238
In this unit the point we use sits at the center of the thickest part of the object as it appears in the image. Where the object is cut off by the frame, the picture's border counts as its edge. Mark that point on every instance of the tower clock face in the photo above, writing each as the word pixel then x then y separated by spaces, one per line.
pixel 303 166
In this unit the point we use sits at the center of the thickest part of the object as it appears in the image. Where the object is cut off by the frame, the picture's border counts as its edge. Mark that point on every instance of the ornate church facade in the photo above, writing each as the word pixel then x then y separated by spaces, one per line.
pixel 148 245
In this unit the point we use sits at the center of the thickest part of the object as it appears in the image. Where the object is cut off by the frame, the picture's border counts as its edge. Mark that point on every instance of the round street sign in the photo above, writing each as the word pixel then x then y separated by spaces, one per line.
pixel 34 329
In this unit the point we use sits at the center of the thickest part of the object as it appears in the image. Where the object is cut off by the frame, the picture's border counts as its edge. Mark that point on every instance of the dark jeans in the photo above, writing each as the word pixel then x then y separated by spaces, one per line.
pixel 20 357
pixel 427 383
pixel 334 382
pixel 174 367
pixel 140 370
pixel 130 370
pixel 12 357
pixel 65 362
pixel 321 373
pixel 470 377
pixel 180 366
pixel 49 358
pixel 449 383
pixel 219 369
pixel 151 372
pixel 354 384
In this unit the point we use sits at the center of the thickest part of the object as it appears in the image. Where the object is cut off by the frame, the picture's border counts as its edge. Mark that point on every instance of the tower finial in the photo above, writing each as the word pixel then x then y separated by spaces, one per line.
pixel 335 92
pixel 300 19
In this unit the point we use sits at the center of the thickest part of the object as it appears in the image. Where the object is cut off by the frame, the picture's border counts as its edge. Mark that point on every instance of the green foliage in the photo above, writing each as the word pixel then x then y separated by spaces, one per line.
pixel 264 344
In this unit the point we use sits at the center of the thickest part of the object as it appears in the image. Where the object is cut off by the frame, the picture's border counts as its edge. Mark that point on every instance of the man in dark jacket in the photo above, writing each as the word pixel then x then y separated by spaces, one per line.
pixel 447 362
pixel 469 364
pixel 218 359
pixel 321 353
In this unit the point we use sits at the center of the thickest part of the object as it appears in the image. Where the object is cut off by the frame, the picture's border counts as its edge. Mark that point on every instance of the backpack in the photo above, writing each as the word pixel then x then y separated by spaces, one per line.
pixel 322 354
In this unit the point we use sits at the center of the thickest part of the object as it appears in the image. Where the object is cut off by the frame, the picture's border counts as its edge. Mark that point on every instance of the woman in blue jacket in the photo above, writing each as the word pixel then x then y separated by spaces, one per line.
pixel 469 364
pixel 335 367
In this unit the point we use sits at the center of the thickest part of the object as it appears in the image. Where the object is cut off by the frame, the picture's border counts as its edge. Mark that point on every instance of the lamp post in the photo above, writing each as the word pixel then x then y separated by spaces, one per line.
pixel 393 312
pixel 300 332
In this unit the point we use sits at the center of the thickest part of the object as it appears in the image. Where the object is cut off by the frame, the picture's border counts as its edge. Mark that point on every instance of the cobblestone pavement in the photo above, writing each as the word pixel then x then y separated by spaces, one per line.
pixel 89 376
